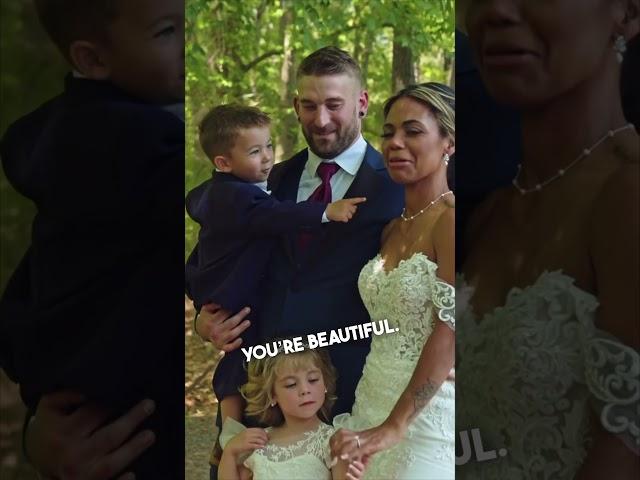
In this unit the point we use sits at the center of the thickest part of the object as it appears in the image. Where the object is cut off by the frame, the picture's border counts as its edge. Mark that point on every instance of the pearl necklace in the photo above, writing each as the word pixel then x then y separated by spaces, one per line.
pixel 406 219
pixel 585 153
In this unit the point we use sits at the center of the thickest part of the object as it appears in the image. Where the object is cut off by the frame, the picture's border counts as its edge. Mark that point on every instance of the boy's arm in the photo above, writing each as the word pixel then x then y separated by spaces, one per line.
pixel 265 215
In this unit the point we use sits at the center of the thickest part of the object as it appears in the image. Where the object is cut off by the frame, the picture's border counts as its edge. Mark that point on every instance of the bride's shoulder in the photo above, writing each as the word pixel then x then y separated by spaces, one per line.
pixel 620 191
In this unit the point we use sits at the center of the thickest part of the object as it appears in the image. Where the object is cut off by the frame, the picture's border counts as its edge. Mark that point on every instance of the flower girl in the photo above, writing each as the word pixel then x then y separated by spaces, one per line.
pixel 293 394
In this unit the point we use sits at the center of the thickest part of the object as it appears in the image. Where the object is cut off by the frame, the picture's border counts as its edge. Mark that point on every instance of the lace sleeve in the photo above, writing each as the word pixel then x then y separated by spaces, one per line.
pixel 444 300
pixel 612 371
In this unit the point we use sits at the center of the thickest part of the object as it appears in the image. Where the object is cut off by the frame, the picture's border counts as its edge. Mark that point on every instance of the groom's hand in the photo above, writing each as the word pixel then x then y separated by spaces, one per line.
pixel 218 326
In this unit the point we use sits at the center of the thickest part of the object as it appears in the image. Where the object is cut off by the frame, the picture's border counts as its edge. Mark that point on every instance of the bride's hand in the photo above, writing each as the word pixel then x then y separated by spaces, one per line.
pixel 348 445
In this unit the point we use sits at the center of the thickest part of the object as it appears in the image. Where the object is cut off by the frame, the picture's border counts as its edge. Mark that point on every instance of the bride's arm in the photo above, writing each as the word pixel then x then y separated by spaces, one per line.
pixel 616 262
pixel 435 362
pixel 438 354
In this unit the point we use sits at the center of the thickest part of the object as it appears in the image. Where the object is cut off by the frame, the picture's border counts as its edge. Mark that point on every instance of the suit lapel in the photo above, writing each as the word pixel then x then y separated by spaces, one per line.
pixel 284 183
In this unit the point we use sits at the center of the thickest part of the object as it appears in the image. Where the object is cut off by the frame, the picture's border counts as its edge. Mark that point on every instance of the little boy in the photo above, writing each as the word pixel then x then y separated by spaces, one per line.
pixel 94 304
pixel 240 224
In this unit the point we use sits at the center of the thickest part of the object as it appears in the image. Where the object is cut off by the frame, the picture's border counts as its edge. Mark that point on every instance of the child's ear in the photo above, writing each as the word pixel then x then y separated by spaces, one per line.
pixel 222 163
pixel 87 58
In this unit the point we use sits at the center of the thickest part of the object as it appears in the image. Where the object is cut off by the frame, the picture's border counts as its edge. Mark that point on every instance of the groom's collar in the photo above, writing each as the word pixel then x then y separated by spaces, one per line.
pixel 349 160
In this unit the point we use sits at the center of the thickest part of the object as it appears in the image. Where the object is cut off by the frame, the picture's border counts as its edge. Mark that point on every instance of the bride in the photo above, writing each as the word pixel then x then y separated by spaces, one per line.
pixel 403 415
pixel 548 347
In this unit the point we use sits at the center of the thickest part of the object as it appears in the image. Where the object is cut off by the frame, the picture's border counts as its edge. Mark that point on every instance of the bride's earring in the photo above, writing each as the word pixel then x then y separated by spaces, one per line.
pixel 445 158
pixel 620 47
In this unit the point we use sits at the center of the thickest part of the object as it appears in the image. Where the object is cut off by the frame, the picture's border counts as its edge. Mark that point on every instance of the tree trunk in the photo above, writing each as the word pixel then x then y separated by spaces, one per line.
pixel 402 73
pixel 288 128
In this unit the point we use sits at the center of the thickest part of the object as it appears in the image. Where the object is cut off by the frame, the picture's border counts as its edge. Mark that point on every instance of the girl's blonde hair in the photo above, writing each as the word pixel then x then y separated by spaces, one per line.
pixel 262 374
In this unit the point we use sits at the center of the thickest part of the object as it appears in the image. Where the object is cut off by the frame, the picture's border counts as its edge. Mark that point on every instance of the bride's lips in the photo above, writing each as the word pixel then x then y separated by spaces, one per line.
pixel 398 162
pixel 499 55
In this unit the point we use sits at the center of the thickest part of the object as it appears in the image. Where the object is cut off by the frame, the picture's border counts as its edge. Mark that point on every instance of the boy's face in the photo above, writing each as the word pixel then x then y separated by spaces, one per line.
pixel 145 50
pixel 251 157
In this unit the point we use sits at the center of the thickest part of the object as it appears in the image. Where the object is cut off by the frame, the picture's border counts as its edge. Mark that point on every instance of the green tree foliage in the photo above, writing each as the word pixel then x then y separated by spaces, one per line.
pixel 248 51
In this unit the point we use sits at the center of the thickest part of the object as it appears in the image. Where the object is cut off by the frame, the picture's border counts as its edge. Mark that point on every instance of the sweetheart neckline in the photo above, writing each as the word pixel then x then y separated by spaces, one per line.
pixel 553 274
pixel 379 257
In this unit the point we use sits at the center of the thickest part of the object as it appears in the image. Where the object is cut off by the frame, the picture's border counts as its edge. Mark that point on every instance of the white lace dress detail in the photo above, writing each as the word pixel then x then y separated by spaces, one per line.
pixel 308 458
pixel 411 298
pixel 533 371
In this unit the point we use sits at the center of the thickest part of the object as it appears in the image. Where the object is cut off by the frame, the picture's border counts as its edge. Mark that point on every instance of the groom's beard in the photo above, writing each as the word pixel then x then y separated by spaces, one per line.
pixel 334 145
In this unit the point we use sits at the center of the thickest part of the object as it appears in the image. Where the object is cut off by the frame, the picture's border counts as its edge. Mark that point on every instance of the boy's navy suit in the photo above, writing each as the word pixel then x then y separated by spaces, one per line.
pixel 239 228
pixel 95 303
pixel 317 290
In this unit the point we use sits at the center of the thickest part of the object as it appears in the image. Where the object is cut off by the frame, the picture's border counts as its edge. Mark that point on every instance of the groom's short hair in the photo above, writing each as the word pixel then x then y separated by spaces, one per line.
pixel 330 61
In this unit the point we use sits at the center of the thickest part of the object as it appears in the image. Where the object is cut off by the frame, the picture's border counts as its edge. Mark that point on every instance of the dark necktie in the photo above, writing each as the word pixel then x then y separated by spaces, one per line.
pixel 320 194
pixel 323 192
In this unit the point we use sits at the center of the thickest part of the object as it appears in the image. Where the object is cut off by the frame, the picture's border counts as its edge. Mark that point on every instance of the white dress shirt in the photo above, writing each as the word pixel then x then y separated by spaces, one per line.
pixel 349 162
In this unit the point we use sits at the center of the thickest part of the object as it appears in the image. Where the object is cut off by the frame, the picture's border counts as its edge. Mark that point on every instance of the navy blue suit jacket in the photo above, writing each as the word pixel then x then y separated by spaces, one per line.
pixel 318 291
pixel 95 303
pixel 239 225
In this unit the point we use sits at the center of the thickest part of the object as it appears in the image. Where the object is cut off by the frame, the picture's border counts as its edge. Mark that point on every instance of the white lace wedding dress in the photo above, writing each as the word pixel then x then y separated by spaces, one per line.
pixel 412 299
pixel 535 371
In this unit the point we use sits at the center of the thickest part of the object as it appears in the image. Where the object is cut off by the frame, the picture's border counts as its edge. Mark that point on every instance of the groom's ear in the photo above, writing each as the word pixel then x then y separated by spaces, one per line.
pixel 296 106
pixel 222 163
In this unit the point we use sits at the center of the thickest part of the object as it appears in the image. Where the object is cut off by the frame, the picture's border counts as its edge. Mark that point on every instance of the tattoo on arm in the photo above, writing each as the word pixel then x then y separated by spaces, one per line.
pixel 422 395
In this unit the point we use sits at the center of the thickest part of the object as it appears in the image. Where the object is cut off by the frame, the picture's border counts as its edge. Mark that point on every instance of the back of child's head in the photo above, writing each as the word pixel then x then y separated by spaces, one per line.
pixel 220 127
pixel 69 20
pixel 262 375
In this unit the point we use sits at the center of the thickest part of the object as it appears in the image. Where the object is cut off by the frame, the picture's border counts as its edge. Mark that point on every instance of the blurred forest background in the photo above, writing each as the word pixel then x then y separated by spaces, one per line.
pixel 32 71
pixel 248 52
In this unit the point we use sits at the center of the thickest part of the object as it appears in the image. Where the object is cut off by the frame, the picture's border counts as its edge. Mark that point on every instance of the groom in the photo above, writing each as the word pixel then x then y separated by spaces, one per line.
pixel 311 285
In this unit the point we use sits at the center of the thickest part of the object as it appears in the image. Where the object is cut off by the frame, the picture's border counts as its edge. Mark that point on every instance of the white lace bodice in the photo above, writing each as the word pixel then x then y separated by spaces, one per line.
pixel 306 458
pixel 406 296
pixel 533 372
pixel 411 298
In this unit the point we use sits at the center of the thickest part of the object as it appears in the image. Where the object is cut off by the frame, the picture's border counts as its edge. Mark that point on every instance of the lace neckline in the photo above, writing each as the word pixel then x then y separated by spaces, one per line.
pixel 378 258
pixel 305 436
pixel 553 277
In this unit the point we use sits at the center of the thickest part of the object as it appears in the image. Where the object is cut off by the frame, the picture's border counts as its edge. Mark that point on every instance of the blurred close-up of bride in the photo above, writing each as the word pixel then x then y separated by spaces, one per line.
pixel 547 344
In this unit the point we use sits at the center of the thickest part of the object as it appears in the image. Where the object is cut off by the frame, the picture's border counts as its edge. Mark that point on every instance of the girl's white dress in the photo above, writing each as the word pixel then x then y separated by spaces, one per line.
pixel 307 458
pixel 412 299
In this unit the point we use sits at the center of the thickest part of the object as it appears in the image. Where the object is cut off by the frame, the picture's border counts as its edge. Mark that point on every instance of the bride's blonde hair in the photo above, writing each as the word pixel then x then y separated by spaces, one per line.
pixel 262 375
pixel 438 98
